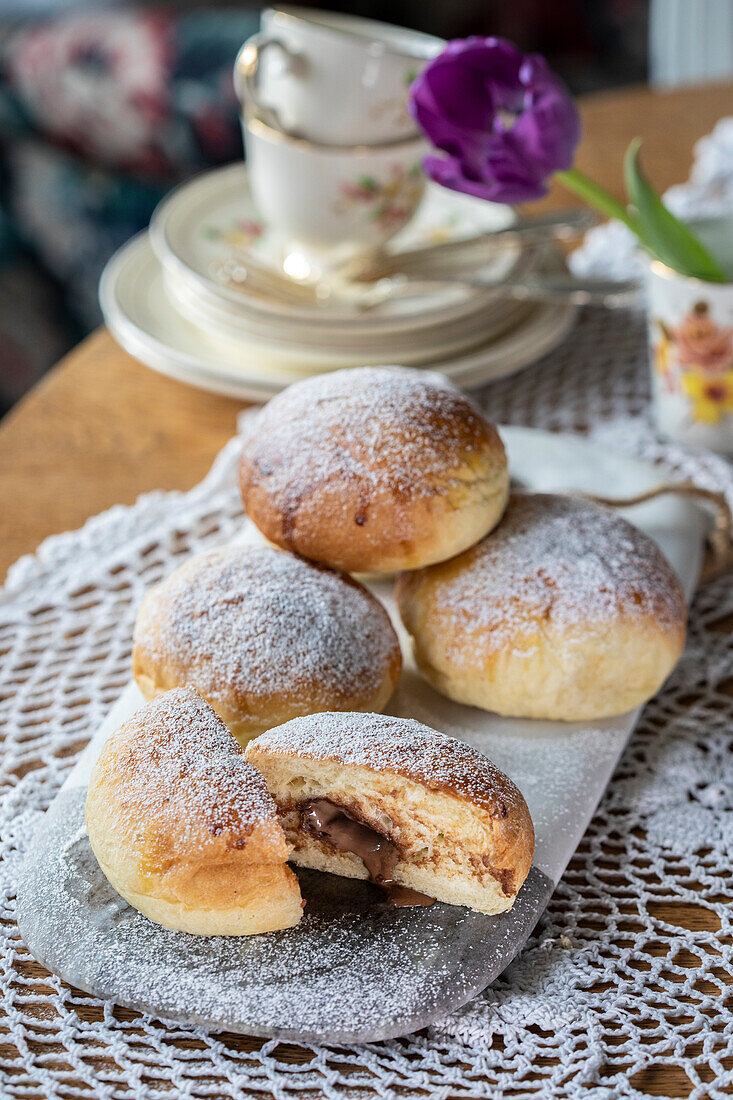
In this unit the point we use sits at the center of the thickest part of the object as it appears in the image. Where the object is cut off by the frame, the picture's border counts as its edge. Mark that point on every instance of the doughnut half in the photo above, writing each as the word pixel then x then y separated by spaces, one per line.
pixel 373 469
pixel 265 636
pixel 185 829
pixel 565 611
pixel 368 796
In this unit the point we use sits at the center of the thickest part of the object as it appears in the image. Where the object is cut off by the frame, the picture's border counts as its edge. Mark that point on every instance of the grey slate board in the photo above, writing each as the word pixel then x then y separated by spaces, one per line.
pixel 354 970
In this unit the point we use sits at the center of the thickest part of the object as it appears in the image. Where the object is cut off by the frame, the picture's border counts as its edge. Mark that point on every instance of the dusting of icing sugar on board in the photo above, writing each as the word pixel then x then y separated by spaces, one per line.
pixel 354 969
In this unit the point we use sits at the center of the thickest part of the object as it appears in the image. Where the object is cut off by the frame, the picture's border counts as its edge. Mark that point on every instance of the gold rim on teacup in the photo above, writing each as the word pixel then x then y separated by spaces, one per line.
pixel 263 129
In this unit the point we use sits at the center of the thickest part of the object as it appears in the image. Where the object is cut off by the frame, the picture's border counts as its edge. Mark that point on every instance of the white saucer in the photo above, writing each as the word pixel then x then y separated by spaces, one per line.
pixel 298 353
pixel 142 318
pixel 209 223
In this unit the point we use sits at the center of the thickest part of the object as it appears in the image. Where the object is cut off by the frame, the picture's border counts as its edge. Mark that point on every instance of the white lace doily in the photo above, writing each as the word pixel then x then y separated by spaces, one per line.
pixel 629 965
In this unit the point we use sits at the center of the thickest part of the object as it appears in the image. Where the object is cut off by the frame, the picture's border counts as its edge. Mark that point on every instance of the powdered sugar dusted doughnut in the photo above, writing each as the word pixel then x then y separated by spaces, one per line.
pixel 389 799
pixel 185 829
pixel 566 611
pixel 373 469
pixel 265 636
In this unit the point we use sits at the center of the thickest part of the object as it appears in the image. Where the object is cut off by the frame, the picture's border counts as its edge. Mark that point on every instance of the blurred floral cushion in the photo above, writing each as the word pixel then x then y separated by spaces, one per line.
pixel 100 113
pixel 143 92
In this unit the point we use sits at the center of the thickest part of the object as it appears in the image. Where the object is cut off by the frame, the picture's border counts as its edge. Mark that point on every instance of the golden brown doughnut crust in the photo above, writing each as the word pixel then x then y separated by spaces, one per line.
pixel 463 829
pixel 184 828
pixel 373 469
pixel 265 636
pixel 565 611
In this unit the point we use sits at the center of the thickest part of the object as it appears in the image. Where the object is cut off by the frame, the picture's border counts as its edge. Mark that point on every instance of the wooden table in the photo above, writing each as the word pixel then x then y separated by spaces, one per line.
pixel 101 428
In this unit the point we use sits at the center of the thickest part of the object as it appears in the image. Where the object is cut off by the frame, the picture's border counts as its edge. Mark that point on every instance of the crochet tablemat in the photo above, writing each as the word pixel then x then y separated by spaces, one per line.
pixel 629 965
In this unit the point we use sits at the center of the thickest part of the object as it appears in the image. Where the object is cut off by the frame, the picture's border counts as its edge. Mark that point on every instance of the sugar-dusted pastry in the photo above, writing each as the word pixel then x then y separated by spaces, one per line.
pixel 185 829
pixel 373 469
pixel 389 799
pixel 566 611
pixel 265 636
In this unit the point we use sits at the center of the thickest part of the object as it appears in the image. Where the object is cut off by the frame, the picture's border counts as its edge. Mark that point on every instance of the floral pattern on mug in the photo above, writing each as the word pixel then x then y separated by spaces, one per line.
pixel 711 395
pixel 663 358
pixel 695 358
pixel 701 342
pixel 389 202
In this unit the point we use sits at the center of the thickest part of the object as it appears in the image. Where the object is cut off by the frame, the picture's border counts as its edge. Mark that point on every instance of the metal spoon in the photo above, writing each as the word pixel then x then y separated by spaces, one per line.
pixel 560 225
pixel 361 296
pixel 535 288
pixel 260 279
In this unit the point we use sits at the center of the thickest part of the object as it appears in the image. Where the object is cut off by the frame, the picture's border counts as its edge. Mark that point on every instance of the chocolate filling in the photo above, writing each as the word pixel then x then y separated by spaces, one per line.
pixel 327 821
pixel 403 896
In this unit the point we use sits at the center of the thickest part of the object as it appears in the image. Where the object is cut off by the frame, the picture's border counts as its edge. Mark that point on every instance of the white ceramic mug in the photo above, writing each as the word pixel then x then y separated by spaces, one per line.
pixel 332 78
pixel 691 347
pixel 328 203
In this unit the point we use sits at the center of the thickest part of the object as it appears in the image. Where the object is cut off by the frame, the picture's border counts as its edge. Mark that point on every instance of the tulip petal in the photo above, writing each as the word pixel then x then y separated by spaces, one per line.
pixel 504 118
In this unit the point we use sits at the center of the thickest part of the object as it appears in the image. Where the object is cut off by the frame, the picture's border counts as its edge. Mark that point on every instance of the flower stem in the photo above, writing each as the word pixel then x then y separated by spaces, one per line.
pixel 597 196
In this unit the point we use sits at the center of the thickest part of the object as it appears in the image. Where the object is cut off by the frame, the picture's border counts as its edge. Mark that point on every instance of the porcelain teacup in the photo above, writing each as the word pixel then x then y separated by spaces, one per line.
pixel 332 78
pixel 328 203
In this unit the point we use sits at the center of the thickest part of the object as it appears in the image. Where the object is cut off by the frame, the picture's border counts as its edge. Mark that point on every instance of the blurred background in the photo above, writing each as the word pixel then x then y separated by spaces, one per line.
pixel 105 106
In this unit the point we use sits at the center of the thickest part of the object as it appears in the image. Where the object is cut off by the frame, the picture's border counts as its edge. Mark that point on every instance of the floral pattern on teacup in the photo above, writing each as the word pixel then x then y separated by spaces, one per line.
pixel 388 202
pixel 446 231
pixel 695 359
pixel 394 110
pixel 228 268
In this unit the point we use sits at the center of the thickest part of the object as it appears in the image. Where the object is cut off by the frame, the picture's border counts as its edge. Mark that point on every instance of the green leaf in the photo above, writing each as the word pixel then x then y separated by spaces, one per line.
pixel 664 235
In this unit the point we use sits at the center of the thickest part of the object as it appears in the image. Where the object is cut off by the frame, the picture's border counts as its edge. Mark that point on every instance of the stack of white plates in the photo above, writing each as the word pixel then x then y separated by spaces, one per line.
pixel 175 299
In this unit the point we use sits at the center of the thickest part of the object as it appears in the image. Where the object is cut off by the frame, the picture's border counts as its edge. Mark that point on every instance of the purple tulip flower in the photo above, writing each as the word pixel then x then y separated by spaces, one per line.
pixel 504 119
